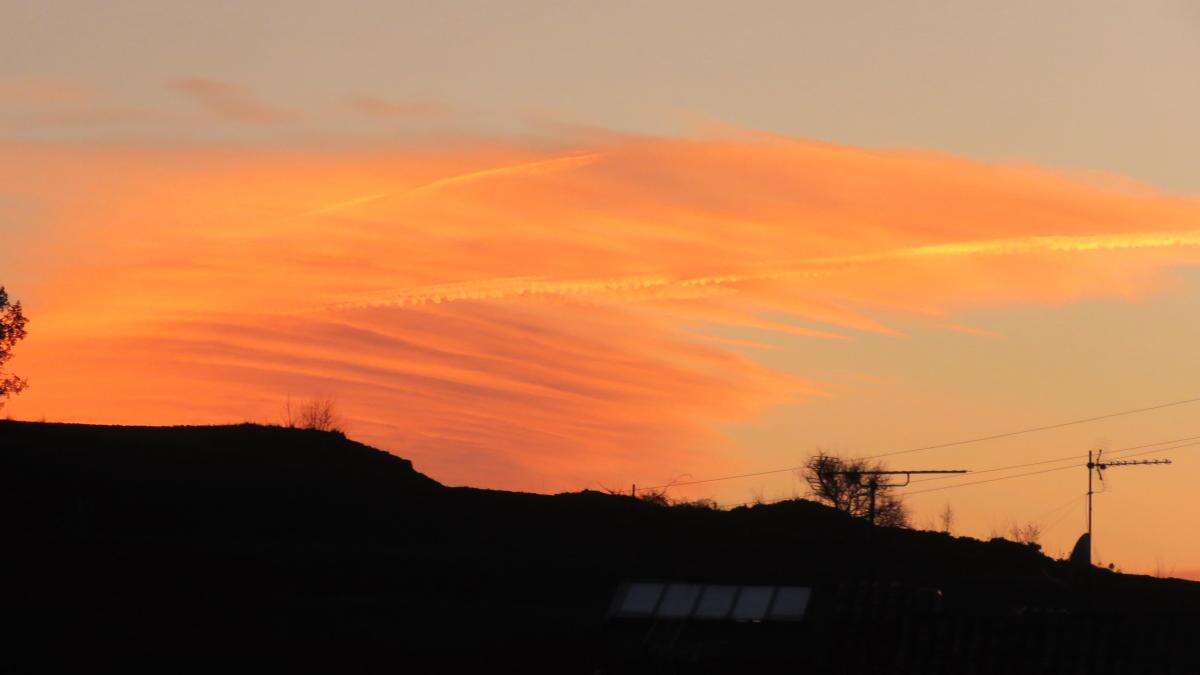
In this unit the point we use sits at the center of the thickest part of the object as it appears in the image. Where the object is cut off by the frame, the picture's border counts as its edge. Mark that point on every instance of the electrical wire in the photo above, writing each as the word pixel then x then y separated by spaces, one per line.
pixel 1034 473
pixel 1075 501
pixel 1001 468
pixel 977 439
pixel 990 480
pixel 1027 474
pixel 1157 450
pixel 1030 430
pixel 1068 457
pixel 1054 510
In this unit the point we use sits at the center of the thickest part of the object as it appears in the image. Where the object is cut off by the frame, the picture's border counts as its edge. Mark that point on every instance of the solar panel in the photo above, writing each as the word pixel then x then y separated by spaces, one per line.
pixel 716 602
pixel 648 599
pixel 790 603
pixel 679 601
pixel 753 602
pixel 640 599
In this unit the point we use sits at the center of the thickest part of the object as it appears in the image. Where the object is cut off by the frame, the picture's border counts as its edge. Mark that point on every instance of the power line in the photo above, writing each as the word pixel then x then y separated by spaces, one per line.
pixel 720 478
pixel 977 439
pixel 1004 468
pixel 873 482
pixel 1058 468
pixel 1070 457
pixel 991 480
pixel 1075 501
pixel 1035 473
pixel 947 487
pixel 1029 473
pixel 1174 447
pixel 1054 510
pixel 1030 430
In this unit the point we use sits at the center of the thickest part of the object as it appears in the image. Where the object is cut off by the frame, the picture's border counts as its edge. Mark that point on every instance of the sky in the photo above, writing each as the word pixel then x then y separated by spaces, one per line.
pixel 556 246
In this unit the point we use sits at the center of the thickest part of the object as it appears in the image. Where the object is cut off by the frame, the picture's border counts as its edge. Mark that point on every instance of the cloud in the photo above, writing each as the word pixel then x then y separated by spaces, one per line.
pixel 42 103
pixel 84 116
pixel 231 102
pixel 536 316
pixel 42 92
pixel 406 110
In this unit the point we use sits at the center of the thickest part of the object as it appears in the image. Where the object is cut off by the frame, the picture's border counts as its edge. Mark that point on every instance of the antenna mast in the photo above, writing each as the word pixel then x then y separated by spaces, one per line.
pixel 873 484
pixel 1098 466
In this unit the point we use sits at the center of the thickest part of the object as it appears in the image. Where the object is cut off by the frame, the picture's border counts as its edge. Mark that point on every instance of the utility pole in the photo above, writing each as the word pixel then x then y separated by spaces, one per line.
pixel 873 483
pixel 1098 466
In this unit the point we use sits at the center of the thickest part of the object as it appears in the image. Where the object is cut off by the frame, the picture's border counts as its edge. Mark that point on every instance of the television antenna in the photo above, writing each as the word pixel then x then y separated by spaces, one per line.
pixel 874 482
pixel 1097 466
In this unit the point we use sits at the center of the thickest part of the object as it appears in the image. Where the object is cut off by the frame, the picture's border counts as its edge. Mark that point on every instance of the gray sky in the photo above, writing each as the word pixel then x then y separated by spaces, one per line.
pixel 1108 86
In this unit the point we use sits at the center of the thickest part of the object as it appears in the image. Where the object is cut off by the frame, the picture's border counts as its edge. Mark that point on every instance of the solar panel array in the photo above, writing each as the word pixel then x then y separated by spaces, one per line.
pixel 712 602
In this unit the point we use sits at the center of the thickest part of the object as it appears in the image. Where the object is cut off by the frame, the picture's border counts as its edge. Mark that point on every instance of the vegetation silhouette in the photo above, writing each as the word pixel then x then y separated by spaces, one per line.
pixel 660 497
pixel 1029 534
pixel 135 544
pixel 12 331
pixel 846 485
pixel 946 519
pixel 315 414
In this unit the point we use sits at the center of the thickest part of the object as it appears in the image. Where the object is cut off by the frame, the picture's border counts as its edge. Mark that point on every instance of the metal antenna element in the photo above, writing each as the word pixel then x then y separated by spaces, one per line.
pixel 874 484
pixel 1098 466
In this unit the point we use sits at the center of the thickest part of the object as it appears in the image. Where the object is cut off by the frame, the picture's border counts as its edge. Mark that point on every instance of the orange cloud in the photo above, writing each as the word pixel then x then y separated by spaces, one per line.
pixel 231 101
pixel 534 317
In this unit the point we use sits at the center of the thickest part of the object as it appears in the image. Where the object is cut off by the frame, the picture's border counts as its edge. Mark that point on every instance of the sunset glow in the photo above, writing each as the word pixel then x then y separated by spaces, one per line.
pixel 532 317
pixel 527 259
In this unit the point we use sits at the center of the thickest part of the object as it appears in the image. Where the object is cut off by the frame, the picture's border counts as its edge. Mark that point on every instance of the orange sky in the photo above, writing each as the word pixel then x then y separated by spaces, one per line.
pixel 542 316
pixel 546 246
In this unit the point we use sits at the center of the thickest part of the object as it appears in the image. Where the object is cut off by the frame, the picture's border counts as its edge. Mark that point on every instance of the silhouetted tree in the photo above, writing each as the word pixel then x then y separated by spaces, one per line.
pixel 1161 570
pixel 947 518
pixel 1030 534
pixel 317 413
pixel 12 330
pixel 843 484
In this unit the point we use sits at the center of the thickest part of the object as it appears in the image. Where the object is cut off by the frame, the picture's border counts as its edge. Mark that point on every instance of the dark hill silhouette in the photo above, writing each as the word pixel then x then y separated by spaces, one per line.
pixel 130 542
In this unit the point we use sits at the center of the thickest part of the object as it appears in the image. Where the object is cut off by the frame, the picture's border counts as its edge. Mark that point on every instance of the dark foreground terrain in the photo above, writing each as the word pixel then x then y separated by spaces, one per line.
pixel 259 548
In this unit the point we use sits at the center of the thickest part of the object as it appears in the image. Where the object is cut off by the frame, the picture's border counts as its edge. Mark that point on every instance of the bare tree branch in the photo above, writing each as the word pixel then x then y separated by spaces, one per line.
pixel 844 485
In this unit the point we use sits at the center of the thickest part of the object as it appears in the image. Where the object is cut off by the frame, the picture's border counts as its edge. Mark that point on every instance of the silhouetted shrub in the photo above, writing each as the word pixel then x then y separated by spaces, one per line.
pixel 698 504
pixel 1028 534
pixel 12 330
pixel 656 497
pixel 317 414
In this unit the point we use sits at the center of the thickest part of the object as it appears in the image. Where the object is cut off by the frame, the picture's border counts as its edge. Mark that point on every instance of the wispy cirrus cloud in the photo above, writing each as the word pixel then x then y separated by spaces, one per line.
pixel 558 316
pixel 373 106
pixel 43 91
pixel 231 101
pixel 47 103
pixel 89 116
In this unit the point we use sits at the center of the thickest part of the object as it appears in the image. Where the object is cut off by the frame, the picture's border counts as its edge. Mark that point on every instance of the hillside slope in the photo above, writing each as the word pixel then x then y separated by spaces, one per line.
pixel 161 540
